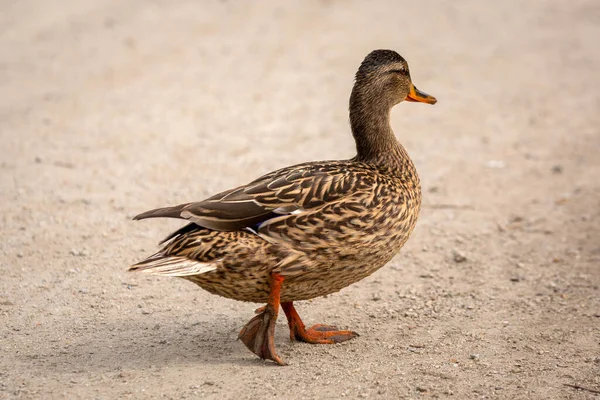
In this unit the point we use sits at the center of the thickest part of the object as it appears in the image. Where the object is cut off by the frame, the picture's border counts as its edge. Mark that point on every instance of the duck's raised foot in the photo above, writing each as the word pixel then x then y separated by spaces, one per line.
pixel 259 334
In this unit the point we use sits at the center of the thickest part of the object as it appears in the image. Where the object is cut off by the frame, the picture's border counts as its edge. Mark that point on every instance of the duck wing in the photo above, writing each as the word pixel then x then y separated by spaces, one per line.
pixel 286 191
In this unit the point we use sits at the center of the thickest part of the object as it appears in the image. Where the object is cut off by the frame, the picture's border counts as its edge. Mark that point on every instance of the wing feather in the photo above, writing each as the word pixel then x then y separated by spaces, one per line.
pixel 286 191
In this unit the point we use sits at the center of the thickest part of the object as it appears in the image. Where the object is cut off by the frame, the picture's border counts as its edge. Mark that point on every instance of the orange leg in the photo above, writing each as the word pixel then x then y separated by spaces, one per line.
pixel 259 334
pixel 316 334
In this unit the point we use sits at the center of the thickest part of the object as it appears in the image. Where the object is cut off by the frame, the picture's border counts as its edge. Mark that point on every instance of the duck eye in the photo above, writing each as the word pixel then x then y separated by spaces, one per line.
pixel 401 70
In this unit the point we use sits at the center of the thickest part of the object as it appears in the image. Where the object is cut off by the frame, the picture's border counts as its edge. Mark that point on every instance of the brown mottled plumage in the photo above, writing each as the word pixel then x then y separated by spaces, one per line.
pixel 310 229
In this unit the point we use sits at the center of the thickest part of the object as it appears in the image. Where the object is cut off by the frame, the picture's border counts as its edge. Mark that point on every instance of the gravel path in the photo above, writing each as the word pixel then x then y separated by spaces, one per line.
pixel 109 108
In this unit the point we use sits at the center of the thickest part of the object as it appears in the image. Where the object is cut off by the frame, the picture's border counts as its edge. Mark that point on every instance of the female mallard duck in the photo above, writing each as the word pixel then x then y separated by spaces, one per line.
pixel 307 230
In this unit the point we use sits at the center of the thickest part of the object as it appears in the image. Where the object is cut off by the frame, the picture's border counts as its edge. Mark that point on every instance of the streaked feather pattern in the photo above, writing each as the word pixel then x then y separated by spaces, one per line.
pixel 286 222
pixel 304 186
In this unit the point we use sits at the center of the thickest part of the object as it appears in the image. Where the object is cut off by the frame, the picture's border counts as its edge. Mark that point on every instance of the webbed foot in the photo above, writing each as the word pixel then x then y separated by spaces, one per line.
pixel 316 334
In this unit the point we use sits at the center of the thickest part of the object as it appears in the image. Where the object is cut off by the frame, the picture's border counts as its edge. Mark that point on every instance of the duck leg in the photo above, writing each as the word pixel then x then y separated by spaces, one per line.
pixel 316 334
pixel 259 334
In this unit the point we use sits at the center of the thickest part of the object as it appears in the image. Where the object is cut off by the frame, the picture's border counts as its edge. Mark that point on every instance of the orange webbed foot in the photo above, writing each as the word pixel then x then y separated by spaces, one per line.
pixel 316 334
pixel 323 334
pixel 259 335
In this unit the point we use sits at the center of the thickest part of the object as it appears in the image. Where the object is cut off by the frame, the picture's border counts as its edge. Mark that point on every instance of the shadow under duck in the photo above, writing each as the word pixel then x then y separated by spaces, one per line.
pixel 307 230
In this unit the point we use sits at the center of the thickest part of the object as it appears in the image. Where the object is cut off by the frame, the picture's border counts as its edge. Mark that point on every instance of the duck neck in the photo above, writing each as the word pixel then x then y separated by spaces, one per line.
pixel 370 124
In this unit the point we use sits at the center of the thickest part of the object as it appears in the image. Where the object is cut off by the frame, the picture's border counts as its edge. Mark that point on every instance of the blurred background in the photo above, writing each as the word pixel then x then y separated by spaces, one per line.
pixel 109 108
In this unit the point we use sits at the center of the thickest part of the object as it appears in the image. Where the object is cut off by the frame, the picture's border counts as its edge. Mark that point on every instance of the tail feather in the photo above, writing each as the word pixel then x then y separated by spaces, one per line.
pixel 173 266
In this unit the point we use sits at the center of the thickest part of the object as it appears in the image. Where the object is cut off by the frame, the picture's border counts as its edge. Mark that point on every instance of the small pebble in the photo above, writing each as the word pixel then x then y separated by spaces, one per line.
pixel 78 253
pixel 474 357
pixel 458 256
pixel 557 169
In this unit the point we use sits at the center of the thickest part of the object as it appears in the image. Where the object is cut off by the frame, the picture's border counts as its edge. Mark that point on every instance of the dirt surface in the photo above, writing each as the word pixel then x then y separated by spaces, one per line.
pixel 109 108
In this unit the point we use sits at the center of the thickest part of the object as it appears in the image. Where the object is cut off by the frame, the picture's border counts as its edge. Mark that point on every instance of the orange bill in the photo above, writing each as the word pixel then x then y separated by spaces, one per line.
pixel 416 95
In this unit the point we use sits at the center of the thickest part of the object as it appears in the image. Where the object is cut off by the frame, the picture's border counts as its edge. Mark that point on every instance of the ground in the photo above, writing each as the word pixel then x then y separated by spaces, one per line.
pixel 110 108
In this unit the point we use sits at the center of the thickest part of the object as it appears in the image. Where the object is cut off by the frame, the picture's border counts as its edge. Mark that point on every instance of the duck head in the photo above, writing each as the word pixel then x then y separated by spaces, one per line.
pixel 383 76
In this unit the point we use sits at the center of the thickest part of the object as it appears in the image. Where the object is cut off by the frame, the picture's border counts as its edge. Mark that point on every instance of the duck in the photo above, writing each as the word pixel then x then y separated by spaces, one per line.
pixel 306 230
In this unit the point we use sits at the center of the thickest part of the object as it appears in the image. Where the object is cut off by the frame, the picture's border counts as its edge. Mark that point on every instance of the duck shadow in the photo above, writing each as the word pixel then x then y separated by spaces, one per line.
pixel 145 344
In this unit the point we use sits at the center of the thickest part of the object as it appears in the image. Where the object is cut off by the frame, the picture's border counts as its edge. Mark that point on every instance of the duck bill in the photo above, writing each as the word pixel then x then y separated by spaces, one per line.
pixel 422 97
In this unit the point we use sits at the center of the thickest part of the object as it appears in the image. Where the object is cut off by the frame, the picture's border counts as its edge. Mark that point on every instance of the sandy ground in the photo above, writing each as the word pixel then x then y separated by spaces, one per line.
pixel 109 108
